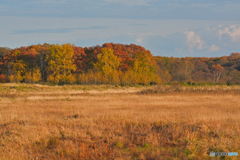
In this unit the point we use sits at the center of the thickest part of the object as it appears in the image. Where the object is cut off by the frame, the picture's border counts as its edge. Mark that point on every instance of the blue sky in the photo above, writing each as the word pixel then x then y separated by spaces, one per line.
pixel 176 28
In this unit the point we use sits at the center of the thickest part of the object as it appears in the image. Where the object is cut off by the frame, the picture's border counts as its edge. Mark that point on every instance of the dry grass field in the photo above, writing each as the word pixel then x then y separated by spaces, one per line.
pixel 109 122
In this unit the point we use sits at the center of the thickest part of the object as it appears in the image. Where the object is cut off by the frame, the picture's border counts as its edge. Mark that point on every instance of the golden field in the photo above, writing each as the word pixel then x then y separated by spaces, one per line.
pixel 111 122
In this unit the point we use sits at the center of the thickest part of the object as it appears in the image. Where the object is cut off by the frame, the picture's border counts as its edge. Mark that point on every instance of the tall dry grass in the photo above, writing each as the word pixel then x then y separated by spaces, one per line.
pixel 120 125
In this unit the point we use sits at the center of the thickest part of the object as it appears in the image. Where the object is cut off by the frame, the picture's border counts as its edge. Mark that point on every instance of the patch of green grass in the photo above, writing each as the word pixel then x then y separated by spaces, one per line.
pixel 187 152
pixel 23 87
pixel 119 144
pixel 147 145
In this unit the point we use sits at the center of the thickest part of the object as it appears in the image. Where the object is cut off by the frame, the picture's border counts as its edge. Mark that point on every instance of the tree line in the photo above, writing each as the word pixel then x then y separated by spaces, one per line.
pixel 68 64
pixel 221 70
pixel 111 64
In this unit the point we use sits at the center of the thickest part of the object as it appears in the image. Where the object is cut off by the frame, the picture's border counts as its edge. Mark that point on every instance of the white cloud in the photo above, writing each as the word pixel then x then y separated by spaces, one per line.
pixel 214 48
pixel 194 40
pixel 235 34
pixel 232 31
pixel 130 2
pixel 139 40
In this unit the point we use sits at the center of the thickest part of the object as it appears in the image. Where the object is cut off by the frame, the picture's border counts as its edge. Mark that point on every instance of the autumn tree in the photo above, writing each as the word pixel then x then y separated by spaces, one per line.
pixel 90 57
pixel 2 66
pixel 124 52
pixel 108 65
pixel 200 66
pixel 33 76
pixel 217 71
pixel 234 56
pixel 3 78
pixel 8 61
pixel 79 59
pixel 235 76
pixel 181 69
pixel 29 57
pixel 223 60
pixel 200 76
pixel 4 51
pixel 144 69
pixel 17 71
pixel 60 64
pixel 164 75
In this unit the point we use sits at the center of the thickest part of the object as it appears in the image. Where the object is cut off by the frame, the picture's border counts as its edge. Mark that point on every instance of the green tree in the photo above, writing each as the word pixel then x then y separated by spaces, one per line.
pixel 60 64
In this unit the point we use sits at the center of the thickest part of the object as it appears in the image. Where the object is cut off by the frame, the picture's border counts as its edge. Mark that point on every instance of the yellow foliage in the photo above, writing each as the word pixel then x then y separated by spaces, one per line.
pixel 17 77
pixel 60 64
pixel 36 75
pixel 11 78
pixel 50 78
pixel 108 64
pixel 28 77
pixel 33 77
pixel 70 79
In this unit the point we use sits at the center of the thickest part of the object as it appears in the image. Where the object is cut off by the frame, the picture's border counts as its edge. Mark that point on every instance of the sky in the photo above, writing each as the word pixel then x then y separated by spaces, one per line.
pixel 178 28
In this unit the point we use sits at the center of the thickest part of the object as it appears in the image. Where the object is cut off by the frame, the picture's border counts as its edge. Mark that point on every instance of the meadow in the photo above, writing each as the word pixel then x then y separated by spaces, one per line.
pixel 114 122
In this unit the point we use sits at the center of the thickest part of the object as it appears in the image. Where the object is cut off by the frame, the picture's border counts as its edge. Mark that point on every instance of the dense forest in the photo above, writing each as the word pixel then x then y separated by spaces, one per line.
pixel 112 64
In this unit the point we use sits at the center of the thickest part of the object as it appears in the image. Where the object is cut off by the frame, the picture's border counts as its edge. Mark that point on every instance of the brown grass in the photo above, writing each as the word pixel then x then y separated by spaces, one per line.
pixel 120 125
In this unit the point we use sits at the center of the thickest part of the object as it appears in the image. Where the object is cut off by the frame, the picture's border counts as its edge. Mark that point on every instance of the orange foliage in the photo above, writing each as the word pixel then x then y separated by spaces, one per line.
pixel 79 55
pixel 3 78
